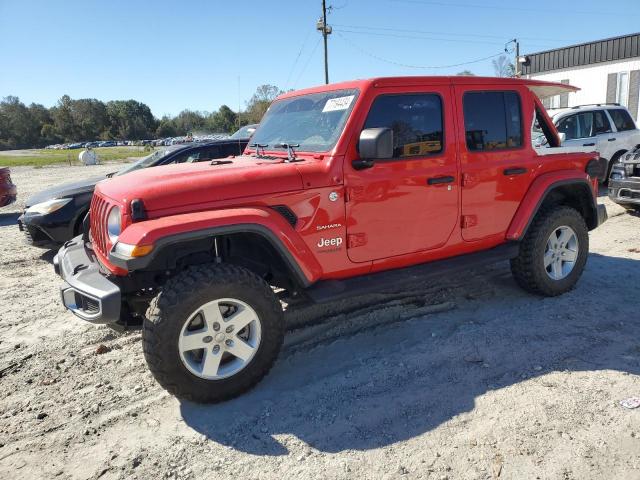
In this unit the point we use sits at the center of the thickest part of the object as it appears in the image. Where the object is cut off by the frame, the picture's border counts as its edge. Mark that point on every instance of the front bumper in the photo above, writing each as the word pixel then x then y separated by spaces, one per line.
pixel 625 192
pixel 86 291
pixel 35 235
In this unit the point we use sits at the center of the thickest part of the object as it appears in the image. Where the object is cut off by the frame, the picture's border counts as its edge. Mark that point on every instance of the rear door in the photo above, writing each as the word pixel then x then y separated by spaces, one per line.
pixel 626 136
pixel 408 203
pixel 496 159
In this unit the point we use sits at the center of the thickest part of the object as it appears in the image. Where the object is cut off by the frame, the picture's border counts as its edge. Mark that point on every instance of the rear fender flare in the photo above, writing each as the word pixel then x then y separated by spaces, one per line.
pixel 540 190
pixel 169 232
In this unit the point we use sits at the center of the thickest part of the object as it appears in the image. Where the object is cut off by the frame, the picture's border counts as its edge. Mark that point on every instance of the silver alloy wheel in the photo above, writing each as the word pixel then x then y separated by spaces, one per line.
pixel 220 338
pixel 561 253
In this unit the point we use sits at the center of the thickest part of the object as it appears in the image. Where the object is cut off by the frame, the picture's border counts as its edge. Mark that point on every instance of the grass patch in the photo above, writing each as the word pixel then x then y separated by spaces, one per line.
pixel 41 157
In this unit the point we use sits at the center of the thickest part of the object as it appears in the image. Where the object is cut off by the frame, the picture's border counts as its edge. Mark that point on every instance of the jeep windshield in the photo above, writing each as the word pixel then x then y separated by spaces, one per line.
pixel 314 122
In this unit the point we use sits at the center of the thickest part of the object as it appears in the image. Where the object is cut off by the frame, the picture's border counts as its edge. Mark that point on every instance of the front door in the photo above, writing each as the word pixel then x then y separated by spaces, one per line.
pixel 496 159
pixel 408 203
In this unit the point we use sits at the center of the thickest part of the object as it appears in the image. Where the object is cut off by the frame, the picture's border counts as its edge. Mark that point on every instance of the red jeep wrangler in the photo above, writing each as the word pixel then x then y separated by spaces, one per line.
pixel 347 189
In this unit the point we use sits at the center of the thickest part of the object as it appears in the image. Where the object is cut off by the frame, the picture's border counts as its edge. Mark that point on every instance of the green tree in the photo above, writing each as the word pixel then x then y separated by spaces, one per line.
pixel 466 73
pixel 260 101
pixel 224 120
pixel 189 121
pixel 166 128
pixel 130 120
pixel 20 129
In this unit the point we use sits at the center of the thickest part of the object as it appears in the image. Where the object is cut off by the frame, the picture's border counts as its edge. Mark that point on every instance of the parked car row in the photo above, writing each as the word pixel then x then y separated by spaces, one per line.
pixel 244 132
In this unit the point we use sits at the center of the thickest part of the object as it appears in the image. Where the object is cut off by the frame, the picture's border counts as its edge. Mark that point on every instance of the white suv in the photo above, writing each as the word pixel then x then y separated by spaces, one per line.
pixel 607 127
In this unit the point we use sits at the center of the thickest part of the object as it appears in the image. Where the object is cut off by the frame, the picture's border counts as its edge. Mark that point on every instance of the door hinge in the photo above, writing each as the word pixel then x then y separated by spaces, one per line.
pixel 356 240
pixel 469 221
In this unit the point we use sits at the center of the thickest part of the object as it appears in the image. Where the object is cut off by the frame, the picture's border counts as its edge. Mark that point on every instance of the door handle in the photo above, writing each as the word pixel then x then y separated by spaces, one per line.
pixel 440 180
pixel 588 144
pixel 611 139
pixel 514 171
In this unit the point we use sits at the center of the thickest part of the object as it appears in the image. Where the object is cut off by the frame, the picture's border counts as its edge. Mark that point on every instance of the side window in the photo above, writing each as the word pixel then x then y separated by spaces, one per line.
pixel 569 126
pixel 585 125
pixel 416 121
pixel 600 123
pixel 492 120
pixel 621 119
pixel 209 154
pixel 181 158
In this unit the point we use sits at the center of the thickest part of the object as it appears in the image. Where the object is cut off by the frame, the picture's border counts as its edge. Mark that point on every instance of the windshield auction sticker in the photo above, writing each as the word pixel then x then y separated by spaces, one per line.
pixel 339 103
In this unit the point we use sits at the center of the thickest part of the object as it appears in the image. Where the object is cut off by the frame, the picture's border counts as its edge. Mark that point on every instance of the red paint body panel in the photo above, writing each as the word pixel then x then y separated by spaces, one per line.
pixel 530 202
pixel 8 190
pixel 352 222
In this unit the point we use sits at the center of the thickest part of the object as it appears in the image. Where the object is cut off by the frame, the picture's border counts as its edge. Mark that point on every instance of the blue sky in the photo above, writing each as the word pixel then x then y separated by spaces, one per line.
pixel 201 54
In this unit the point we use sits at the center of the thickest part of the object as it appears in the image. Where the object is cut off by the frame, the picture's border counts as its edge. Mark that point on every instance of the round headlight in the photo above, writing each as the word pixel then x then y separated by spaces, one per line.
pixel 114 224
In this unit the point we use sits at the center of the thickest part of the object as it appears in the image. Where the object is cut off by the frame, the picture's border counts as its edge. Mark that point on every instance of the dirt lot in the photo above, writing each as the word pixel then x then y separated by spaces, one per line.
pixel 470 378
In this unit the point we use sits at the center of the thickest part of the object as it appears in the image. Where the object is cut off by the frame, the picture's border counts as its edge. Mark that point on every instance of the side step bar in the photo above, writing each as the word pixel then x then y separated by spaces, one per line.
pixel 330 290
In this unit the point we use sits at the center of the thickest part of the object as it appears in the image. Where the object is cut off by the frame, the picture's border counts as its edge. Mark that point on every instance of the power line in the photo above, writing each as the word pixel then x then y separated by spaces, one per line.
pixel 452 34
pixel 418 37
pixel 405 65
pixel 308 60
pixel 517 9
pixel 295 63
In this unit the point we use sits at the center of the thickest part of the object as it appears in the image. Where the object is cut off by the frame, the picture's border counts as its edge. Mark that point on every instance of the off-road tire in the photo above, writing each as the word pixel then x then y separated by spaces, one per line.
pixel 182 295
pixel 528 267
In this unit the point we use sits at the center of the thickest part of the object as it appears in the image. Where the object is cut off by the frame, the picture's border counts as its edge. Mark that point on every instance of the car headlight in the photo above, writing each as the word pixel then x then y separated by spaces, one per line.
pixel 131 251
pixel 49 206
pixel 114 224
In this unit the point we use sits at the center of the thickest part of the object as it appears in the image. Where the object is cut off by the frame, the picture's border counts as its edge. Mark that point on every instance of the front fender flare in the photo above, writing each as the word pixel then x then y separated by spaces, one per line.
pixel 172 230
pixel 538 191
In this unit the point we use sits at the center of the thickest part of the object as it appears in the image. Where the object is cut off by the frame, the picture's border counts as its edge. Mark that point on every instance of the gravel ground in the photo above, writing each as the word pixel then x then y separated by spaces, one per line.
pixel 469 378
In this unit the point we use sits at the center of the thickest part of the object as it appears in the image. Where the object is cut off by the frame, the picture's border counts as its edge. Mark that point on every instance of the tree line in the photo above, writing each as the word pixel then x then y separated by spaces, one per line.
pixel 86 119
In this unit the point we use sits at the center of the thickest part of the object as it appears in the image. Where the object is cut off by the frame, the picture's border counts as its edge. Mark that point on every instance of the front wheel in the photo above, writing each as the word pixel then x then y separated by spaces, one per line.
pixel 212 333
pixel 553 253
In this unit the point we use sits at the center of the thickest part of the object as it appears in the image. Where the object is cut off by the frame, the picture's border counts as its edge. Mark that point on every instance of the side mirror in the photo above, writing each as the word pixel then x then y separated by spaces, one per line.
pixel 374 144
pixel 563 137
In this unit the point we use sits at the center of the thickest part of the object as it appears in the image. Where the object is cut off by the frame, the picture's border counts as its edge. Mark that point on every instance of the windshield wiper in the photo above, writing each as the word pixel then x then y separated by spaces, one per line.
pixel 109 175
pixel 259 146
pixel 291 154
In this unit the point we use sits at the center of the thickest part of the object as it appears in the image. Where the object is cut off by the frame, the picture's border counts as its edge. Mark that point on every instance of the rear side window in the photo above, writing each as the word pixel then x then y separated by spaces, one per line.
pixel 622 119
pixel 492 120
pixel 584 125
pixel 416 121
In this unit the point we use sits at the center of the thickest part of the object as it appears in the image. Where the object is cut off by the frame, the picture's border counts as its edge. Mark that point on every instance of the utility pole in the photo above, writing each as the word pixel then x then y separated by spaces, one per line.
pixel 322 26
pixel 517 64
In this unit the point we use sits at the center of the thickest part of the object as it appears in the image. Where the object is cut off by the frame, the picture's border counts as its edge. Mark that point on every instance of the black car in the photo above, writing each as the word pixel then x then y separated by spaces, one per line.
pixel 54 216
pixel 624 182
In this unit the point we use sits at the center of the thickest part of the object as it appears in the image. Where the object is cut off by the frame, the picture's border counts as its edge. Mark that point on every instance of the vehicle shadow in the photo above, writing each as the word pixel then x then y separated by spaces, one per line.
pixel 396 382
pixel 8 219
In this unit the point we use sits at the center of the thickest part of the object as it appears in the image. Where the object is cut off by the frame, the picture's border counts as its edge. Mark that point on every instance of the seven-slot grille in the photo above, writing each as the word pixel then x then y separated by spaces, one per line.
pixel 98 216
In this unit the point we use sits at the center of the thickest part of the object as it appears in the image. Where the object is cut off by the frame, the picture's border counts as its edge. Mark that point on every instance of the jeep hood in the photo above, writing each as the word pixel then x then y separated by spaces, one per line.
pixel 199 184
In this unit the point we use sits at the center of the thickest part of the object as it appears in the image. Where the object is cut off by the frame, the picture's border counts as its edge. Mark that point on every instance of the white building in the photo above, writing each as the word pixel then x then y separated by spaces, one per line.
pixel 606 71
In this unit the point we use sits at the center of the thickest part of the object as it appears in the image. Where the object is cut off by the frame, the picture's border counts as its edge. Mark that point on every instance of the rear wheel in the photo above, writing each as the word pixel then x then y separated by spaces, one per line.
pixel 553 253
pixel 212 333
